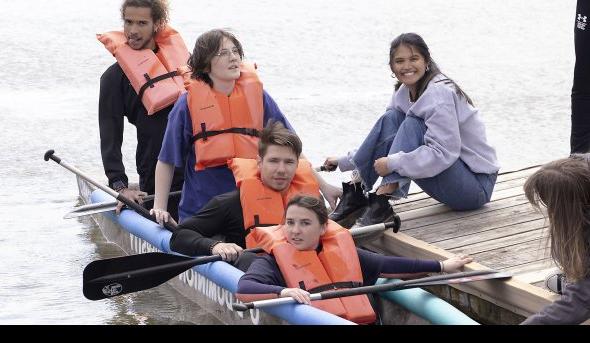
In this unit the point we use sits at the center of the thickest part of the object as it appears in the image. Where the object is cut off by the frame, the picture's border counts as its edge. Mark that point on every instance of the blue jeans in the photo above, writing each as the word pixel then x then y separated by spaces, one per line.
pixel 457 186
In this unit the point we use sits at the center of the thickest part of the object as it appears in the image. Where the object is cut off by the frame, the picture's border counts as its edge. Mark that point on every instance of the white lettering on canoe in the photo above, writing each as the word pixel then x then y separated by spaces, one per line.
pixel 198 282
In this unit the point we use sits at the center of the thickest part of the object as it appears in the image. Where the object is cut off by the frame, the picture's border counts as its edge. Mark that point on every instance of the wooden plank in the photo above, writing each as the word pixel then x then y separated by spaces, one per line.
pixel 410 224
pixel 536 276
pixel 511 255
pixel 479 235
pixel 440 208
pixel 426 201
pixel 525 268
pixel 513 295
pixel 456 229
pixel 500 242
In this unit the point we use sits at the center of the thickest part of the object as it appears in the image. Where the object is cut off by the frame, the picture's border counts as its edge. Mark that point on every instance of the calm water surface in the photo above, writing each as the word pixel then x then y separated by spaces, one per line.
pixel 324 62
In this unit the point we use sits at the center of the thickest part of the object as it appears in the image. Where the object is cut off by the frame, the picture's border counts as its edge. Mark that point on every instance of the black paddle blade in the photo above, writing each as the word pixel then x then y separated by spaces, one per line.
pixel 116 276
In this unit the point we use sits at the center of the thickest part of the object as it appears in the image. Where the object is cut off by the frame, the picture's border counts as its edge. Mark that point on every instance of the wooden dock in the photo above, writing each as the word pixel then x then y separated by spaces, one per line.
pixel 507 234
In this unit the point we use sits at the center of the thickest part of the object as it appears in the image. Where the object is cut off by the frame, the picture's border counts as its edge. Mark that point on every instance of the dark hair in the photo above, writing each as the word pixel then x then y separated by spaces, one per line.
pixel 563 187
pixel 206 47
pixel 276 134
pixel 311 203
pixel 413 40
pixel 159 9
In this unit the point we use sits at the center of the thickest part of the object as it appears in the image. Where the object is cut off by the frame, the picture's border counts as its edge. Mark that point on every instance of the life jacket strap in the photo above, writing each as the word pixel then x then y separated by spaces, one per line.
pixel 150 82
pixel 204 134
pixel 257 223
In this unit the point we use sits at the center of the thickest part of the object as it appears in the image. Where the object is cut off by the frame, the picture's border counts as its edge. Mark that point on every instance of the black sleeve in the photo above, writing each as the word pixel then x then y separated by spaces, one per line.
pixel 580 116
pixel 263 277
pixel 110 123
pixel 373 265
pixel 222 215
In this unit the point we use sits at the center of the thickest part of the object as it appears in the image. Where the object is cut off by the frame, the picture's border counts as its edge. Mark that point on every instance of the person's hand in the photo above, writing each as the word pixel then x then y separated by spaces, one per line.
pixel 381 166
pixel 298 294
pixel 131 194
pixel 331 194
pixel 162 216
pixel 229 252
pixel 456 263
pixel 330 164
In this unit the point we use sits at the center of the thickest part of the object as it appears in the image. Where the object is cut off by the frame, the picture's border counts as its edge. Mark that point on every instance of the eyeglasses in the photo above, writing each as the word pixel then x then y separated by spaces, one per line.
pixel 225 53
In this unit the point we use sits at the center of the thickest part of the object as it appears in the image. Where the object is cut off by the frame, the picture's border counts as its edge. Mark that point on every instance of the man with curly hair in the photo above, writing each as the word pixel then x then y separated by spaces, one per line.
pixel 144 24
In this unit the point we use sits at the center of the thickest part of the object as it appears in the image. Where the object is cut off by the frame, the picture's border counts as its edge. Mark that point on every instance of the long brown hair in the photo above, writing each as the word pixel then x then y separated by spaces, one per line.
pixel 563 187
pixel 414 41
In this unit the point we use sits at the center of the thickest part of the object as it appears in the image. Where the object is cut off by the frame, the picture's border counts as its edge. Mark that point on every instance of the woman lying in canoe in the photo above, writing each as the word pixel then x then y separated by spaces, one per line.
pixel 310 254
pixel 431 133
pixel 563 187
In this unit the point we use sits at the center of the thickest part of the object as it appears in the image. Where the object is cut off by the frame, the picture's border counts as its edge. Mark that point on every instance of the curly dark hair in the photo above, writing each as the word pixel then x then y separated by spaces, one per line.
pixel 206 47
pixel 160 11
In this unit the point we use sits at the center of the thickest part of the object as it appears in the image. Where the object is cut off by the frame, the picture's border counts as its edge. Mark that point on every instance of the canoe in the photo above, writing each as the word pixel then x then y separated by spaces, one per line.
pixel 212 286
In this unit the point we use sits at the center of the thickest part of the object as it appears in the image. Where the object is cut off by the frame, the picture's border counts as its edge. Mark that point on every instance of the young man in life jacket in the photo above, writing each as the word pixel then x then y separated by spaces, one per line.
pixel 147 48
pixel 310 254
pixel 264 186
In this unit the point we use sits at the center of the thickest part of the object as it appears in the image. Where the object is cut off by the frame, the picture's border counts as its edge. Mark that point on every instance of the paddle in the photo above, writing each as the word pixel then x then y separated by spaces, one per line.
pixel 110 277
pixel 50 154
pixel 89 209
pixel 427 281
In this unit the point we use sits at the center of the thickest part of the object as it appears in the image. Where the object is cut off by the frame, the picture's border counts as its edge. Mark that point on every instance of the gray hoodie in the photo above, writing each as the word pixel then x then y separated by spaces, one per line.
pixel 454 130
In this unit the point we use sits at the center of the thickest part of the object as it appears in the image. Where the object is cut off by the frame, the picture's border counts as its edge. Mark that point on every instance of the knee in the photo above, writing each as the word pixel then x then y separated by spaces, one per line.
pixel 469 203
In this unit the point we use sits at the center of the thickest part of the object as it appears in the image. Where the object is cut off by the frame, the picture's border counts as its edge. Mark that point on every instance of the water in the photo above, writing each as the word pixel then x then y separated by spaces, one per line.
pixel 325 64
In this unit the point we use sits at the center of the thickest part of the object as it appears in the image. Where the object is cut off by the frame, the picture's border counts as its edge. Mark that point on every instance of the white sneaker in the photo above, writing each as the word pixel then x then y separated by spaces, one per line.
pixel 556 282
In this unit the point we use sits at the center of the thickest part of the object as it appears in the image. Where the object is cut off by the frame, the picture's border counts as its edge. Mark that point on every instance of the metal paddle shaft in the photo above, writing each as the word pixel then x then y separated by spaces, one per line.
pixel 121 275
pixel 50 154
pixel 89 209
pixel 427 281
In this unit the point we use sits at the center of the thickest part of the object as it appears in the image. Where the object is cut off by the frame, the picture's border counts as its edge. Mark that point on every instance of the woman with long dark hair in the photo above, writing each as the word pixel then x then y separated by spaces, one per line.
pixel 431 134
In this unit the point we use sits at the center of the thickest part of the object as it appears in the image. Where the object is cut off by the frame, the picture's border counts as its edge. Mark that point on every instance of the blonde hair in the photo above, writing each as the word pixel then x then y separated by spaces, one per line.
pixel 563 187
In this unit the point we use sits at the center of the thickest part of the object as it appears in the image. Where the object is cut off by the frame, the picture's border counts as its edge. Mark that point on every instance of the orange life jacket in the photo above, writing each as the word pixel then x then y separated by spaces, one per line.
pixel 262 205
pixel 158 78
pixel 225 127
pixel 335 266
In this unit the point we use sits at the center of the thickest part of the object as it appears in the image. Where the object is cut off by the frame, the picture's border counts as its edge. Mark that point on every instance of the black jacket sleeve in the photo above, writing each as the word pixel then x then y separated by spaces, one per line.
pixel 110 123
pixel 219 220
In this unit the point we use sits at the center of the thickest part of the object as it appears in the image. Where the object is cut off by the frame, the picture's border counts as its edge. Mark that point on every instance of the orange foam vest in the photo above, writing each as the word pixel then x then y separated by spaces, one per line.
pixel 335 266
pixel 158 78
pixel 262 205
pixel 225 127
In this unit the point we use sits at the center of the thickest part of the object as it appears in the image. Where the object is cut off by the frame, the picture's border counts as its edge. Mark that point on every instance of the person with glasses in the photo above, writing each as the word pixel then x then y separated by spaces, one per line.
pixel 219 118
pixel 431 133
pixel 309 253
